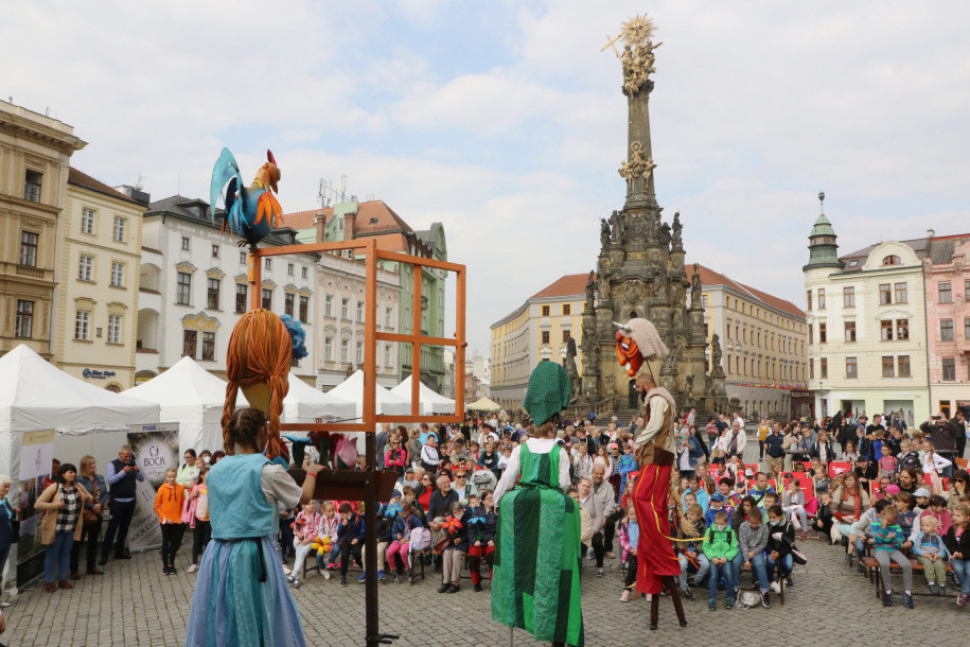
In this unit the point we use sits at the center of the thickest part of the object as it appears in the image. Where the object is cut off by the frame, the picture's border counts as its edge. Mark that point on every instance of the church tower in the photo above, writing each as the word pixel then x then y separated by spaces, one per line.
pixel 822 248
pixel 640 269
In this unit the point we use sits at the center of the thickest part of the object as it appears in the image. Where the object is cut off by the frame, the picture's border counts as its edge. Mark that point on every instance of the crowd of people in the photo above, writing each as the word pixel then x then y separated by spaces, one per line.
pixel 877 488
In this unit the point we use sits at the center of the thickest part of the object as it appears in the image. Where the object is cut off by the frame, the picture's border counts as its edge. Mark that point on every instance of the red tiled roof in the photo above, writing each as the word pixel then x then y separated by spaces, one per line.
pixel 710 277
pixel 85 181
pixel 574 285
pixel 373 217
pixel 571 285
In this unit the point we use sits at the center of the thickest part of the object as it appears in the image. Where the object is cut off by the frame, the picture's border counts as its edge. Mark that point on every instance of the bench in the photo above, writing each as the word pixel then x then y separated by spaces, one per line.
pixel 872 569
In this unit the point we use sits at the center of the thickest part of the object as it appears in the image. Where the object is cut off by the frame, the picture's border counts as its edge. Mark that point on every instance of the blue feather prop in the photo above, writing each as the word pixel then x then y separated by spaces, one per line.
pixel 298 334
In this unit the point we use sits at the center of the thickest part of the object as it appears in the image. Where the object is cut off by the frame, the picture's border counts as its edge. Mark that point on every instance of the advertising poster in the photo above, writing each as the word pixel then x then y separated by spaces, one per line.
pixel 37 452
pixel 156 449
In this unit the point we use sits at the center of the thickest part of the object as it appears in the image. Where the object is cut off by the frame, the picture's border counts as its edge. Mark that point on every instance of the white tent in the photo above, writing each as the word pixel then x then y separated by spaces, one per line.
pixel 432 403
pixel 483 404
pixel 36 396
pixel 387 403
pixel 191 396
pixel 303 403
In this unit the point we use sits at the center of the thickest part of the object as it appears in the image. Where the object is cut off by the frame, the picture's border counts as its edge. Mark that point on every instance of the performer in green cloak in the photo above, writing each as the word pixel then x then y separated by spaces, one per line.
pixel 535 581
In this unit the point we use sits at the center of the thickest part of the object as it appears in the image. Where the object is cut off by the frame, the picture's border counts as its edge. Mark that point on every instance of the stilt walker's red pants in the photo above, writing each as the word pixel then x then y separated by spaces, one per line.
pixel 655 551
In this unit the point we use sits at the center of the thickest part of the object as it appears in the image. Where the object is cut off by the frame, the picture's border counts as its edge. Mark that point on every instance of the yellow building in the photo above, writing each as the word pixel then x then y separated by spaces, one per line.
pixel 98 263
pixel 764 344
pixel 34 154
pixel 538 330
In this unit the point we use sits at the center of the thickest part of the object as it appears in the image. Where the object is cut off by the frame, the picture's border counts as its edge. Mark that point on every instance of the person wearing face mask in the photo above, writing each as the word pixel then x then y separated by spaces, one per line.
pixel 781 539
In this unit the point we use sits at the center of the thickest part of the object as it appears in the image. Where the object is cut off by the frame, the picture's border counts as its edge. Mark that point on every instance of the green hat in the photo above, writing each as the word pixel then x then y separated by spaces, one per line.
pixel 548 392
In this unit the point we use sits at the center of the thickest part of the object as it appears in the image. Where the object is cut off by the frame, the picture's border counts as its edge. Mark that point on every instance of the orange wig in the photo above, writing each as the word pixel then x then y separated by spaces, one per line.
pixel 260 352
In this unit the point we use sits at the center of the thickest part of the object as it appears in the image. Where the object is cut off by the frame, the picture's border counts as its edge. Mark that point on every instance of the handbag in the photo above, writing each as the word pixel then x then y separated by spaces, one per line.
pixel 89 516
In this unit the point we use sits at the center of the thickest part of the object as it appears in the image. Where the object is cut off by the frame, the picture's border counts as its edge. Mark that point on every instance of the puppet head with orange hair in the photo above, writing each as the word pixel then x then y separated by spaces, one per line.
pixel 260 352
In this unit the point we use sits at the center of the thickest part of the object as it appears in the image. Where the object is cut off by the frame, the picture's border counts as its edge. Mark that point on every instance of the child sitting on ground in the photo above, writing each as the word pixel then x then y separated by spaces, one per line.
pixel 753 539
pixel 721 547
pixel 929 548
pixel 691 553
pixel 886 540
pixel 781 540
pixel 957 542
pixel 629 536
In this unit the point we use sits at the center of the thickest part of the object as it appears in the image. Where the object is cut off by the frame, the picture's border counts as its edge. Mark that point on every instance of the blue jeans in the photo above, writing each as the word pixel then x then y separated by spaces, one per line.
pixel 730 574
pixel 703 564
pixel 760 570
pixel 787 564
pixel 961 567
pixel 57 559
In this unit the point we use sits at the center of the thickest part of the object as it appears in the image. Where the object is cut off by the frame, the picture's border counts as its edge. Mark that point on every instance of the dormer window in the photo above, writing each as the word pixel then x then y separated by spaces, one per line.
pixel 892 260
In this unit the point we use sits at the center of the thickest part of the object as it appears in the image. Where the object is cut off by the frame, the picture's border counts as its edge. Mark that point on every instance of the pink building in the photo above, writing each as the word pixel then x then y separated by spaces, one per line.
pixel 947 271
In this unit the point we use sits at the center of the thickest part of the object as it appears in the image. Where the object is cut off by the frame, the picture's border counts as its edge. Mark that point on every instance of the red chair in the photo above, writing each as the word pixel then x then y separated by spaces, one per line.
pixel 804 479
pixel 838 467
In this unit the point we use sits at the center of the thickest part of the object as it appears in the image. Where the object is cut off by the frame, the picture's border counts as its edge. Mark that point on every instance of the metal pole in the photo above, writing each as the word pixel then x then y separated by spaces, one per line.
pixel 370 541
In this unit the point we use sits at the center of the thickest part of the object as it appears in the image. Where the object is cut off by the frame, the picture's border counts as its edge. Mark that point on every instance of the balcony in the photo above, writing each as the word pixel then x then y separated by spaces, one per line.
pixel 149 300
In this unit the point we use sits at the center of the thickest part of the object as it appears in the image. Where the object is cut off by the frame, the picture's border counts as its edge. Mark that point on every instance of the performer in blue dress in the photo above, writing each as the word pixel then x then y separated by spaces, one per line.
pixel 241 596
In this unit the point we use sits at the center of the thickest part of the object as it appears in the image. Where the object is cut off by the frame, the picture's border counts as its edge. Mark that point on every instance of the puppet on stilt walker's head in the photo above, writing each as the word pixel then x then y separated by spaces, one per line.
pixel 261 349
pixel 637 343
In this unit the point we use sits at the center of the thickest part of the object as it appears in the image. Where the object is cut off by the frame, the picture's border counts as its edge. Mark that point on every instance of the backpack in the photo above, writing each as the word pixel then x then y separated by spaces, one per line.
pixel 420 539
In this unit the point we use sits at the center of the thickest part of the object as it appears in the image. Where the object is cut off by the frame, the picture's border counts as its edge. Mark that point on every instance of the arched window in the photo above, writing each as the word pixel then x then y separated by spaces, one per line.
pixel 892 260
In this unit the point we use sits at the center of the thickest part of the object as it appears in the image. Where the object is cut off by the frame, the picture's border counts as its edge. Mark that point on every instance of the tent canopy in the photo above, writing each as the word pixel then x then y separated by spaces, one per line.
pixel 303 403
pixel 191 396
pixel 432 403
pixel 387 403
pixel 483 404
pixel 34 395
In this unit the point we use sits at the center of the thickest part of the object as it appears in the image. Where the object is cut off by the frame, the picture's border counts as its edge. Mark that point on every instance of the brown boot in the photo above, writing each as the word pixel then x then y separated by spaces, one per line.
pixel 64 584
pixel 75 575
pixel 50 587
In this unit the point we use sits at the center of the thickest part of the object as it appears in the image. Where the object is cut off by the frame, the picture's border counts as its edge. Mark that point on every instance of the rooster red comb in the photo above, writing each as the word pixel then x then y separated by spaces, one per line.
pixel 269 156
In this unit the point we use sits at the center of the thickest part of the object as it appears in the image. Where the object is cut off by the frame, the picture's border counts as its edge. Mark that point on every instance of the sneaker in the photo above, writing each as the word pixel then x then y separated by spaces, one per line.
pixel 933 589
pixel 380 576
pixel 296 584
pixel 942 589
pixel 165 571
pixel 687 593
pixel 478 587
pixel 712 605
pixel 362 578
pixel 962 600
pixel 192 569
pixel 908 600
pixel 610 555
pixel 887 599
pixel 625 596
pixel 172 570
pixel 788 582
pixel 4 605
pixel 766 599
pixel 776 587
pixel 599 572
pixel 730 604
pixel 326 574
pixel 290 579
pixel 343 581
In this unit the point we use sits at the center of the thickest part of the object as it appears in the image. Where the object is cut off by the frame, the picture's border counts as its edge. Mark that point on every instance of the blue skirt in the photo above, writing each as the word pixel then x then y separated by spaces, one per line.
pixel 231 607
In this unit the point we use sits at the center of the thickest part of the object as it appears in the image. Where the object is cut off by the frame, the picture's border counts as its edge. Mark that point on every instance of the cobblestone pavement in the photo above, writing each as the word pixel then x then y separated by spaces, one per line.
pixel 134 604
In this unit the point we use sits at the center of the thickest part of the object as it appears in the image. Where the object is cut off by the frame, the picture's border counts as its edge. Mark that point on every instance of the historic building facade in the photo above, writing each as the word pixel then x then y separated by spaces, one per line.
pixel 948 325
pixel 99 258
pixel 375 219
pixel 35 153
pixel 867 327
pixel 194 286
pixel 540 329
pixel 765 344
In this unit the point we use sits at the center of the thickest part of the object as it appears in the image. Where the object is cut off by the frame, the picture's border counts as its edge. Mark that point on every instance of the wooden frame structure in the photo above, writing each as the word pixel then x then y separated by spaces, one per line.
pixel 366 482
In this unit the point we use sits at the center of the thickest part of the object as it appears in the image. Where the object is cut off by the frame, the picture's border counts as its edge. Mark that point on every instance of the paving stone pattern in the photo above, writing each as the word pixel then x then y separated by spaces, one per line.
pixel 134 604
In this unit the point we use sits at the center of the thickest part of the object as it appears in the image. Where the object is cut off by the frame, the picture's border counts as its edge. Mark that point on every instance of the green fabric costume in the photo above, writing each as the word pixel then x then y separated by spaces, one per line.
pixel 535 581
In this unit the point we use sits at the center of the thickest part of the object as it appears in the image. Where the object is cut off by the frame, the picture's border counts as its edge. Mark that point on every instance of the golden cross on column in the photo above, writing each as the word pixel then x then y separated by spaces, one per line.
pixel 611 43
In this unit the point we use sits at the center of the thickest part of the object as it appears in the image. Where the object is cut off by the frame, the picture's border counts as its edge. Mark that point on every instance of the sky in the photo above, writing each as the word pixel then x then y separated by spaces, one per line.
pixel 504 121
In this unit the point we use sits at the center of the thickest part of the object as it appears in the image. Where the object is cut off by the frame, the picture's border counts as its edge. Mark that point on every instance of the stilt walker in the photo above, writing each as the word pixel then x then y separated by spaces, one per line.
pixel 636 344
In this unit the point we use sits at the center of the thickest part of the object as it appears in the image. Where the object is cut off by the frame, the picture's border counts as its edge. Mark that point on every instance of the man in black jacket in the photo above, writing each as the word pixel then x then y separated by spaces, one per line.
pixel 122 475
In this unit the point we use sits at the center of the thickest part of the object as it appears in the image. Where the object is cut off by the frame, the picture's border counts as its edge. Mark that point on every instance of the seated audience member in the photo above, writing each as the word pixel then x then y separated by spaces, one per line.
pixel 753 539
pixel 886 540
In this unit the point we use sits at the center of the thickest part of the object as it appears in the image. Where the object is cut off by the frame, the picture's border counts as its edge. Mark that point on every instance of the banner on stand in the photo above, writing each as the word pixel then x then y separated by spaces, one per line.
pixel 37 453
pixel 156 448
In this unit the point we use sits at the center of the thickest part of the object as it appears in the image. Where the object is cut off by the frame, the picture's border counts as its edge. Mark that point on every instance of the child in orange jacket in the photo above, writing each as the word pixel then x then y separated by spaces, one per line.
pixel 168 507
